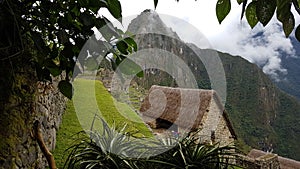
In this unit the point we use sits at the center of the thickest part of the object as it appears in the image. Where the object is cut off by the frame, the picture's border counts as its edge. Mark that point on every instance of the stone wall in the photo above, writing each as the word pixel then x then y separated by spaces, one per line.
pixel 50 105
pixel 213 122
pixel 223 134
pixel 30 101
pixel 267 161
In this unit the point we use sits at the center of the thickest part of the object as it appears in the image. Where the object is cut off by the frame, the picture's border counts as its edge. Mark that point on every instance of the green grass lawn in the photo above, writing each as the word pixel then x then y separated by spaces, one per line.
pixel 66 135
pixel 81 111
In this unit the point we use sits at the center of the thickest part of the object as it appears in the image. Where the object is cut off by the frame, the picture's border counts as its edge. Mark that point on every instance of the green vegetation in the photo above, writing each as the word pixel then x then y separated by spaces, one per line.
pixel 70 126
pixel 55 31
pixel 263 116
pixel 67 134
pixel 110 149
pixel 99 101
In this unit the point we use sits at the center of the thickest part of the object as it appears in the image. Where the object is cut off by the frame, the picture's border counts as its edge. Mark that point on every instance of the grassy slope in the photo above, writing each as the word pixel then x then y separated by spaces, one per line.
pixel 65 136
pixel 86 105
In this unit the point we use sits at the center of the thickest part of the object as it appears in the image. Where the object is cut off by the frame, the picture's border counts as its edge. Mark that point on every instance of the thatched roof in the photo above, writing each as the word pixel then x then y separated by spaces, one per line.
pixel 183 107
pixel 285 163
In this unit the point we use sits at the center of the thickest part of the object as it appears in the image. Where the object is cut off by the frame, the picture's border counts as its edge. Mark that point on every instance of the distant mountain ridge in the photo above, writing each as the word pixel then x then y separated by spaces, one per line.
pixel 263 116
pixel 290 82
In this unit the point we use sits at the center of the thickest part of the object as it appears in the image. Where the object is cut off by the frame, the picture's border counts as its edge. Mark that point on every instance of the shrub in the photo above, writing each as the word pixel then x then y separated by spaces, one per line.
pixel 115 148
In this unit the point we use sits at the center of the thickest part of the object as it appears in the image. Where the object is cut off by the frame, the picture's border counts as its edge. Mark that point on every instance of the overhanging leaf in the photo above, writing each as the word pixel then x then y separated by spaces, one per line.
pixel 40 43
pixel 114 7
pixel 251 14
pixel 108 31
pixel 130 42
pixel 52 67
pixel 283 10
pixel 86 18
pixel 265 10
pixel 129 67
pixel 155 3
pixel 62 36
pixel 66 88
pixel 244 8
pixel 288 24
pixel 122 47
pixel 223 8
pixel 95 5
pixel 140 74
pixel 240 1
pixel 42 73
pixel 297 33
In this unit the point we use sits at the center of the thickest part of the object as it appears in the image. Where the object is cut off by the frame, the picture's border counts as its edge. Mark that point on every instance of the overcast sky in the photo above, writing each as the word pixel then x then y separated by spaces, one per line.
pixel 233 36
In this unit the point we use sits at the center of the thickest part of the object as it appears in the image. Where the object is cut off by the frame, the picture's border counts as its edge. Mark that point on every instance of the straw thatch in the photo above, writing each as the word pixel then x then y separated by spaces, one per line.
pixel 183 107
pixel 285 163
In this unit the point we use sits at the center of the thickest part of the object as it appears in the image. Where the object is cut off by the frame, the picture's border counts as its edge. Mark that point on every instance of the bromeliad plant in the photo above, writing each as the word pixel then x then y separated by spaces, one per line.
pixel 107 149
pixel 115 148
pixel 190 153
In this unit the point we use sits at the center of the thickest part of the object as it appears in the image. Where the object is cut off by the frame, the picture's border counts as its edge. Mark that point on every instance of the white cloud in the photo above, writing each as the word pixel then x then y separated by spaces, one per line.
pixel 261 45
pixel 233 35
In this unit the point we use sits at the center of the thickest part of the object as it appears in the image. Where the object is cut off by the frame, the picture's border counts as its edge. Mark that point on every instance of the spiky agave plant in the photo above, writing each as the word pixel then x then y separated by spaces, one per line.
pixel 190 153
pixel 113 148
pixel 107 149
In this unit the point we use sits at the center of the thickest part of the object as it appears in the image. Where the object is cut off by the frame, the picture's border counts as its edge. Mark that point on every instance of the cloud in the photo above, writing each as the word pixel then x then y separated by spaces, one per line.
pixel 263 46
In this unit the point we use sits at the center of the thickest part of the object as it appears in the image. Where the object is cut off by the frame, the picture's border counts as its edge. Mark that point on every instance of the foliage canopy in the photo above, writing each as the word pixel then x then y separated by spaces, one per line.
pixel 55 31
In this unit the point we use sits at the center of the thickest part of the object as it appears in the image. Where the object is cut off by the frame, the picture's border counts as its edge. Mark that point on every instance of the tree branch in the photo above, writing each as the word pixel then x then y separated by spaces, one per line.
pixel 39 137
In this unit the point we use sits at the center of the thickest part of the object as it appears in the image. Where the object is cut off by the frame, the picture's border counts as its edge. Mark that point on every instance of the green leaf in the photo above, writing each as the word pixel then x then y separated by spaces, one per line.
pixel 95 5
pixel 42 73
pixel 114 7
pixel 297 33
pixel 67 52
pixel 108 31
pixel 119 59
pixel 265 10
pixel 76 11
pixel 113 64
pixel 39 42
pixel 122 47
pixel 223 8
pixel 155 3
pixel 288 24
pixel 140 74
pixel 240 1
pixel 87 19
pixel 251 14
pixel 243 9
pixel 130 42
pixel 283 10
pixel 66 88
pixel 52 67
pixel 129 67
pixel 298 3
pixel 62 36
pixel 281 3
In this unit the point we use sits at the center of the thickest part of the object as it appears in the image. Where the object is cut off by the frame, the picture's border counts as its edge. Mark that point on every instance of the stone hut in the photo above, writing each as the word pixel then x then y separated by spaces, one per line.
pixel 180 110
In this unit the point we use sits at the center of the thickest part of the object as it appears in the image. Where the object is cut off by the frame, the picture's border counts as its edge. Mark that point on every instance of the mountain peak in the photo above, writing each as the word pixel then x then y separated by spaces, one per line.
pixel 149 21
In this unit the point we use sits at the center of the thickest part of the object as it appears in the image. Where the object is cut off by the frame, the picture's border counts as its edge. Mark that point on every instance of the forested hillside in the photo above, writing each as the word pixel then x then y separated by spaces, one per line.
pixel 263 116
